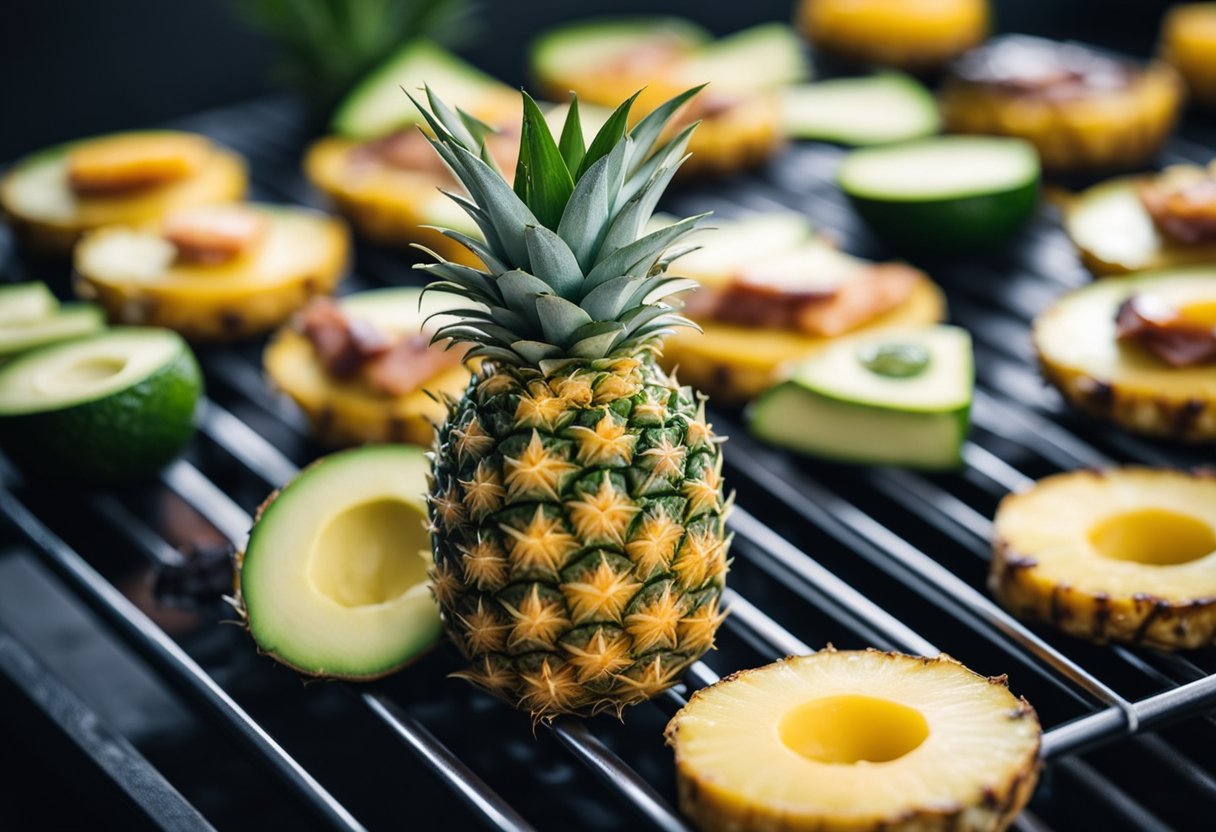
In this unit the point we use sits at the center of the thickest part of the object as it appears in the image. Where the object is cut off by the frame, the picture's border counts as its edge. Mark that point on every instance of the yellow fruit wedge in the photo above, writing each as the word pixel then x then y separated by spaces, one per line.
pixel 853 741
pixel 54 196
pixel 139 275
pixel 1122 555
pixel 1124 382
pixel 349 411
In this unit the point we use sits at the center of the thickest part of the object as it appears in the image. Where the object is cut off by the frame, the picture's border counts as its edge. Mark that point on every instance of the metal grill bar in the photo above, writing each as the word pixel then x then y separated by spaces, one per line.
pixel 177 668
pixel 152 798
pixel 250 447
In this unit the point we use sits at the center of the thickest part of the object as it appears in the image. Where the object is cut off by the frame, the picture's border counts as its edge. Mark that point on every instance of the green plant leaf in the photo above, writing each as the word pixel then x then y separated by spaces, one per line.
pixel 571 144
pixel 559 318
pixel 549 182
pixel 637 258
pixel 553 261
pixel 608 136
pixel 648 130
pixel 519 290
pixel 586 215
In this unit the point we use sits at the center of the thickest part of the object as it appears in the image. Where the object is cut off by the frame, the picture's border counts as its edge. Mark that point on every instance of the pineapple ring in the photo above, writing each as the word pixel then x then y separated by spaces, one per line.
pixel 1115 234
pixel 1112 129
pixel 131 272
pixel 734 364
pixel 1124 555
pixel 914 36
pixel 348 412
pixel 49 217
pixel 1188 43
pixel 1124 383
pixel 855 740
pixel 386 205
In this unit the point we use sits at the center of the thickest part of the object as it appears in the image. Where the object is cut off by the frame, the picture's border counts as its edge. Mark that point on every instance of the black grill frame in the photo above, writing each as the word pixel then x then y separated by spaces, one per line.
pixel 880 519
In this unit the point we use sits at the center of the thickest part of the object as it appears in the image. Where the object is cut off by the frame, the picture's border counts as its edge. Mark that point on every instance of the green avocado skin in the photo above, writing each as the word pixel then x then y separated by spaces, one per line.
pixel 118 438
pixel 964 225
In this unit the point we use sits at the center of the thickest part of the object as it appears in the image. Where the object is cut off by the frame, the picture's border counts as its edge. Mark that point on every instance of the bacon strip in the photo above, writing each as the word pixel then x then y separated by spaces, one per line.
pixel 1183 213
pixel 349 348
pixel 1162 330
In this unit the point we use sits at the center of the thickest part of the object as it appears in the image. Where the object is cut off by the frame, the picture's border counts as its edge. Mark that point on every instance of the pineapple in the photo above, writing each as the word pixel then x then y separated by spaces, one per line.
pixel 851 741
pixel 576 501
pixel 1123 555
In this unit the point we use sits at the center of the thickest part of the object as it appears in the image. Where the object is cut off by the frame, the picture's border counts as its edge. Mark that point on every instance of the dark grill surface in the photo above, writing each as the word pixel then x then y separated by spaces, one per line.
pixel 174 719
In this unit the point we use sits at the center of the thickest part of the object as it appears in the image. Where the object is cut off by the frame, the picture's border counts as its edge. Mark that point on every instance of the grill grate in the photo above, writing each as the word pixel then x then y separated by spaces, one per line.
pixel 889 548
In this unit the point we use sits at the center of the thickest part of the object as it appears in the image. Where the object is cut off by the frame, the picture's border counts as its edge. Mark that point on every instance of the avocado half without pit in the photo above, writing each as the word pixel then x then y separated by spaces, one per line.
pixel 30 316
pixel 333 582
pixel 942 196
pixel 111 407
pixel 901 397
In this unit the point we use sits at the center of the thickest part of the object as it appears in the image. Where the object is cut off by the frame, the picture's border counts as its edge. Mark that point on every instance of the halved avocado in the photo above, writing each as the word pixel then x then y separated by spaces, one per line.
pixel 879 109
pixel 333 582
pixel 948 195
pixel 1124 382
pixel 132 272
pixel 378 106
pixel 348 412
pixel 30 316
pixel 111 407
pixel 900 397
pixel 1115 234
pixel 26 302
pixel 49 216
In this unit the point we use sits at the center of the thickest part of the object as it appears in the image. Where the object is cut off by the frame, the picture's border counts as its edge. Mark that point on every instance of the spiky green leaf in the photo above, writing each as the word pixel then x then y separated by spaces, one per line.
pixel 646 134
pixel 586 215
pixel 559 318
pixel 571 144
pixel 519 290
pixel 609 135
pixel 638 257
pixel 553 261
pixel 549 182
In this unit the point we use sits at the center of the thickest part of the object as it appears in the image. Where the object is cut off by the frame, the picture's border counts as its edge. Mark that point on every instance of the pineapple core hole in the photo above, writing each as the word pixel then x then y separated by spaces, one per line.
pixel 370 553
pixel 852 729
pixel 1153 536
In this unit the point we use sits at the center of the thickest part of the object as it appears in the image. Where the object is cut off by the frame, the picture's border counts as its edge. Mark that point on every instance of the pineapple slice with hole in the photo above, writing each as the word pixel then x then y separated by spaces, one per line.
pixel 349 411
pixel 1123 555
pixel 1124 382
pixel 213 272
pixel 54 196
pixel 855 740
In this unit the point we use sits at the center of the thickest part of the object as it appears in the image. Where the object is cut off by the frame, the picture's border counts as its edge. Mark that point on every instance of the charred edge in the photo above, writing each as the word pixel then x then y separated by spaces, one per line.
pixel 1059 612
pixel 1187 416
pixel 1101 616
pixel 232 322
pixel 1158 608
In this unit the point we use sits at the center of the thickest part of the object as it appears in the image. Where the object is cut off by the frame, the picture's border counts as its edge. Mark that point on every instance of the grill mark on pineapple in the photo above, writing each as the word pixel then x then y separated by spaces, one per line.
pixel 1101 616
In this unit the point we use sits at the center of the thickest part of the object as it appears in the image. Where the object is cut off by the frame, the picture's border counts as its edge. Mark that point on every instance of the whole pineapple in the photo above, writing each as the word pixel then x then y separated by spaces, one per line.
pixel 576 501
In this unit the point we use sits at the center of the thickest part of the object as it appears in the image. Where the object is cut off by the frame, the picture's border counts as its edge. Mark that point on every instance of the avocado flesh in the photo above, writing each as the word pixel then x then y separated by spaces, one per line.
pixel 881 109
pixel 110 407
pixel 70 321
pixel 834 407
pixel 732 245
pixel 26 302
pixel 377 105
pixel 1115 234
pixel 334 579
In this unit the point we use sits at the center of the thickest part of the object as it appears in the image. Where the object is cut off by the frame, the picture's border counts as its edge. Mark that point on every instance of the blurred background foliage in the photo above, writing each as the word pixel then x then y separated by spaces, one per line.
pixel 70 68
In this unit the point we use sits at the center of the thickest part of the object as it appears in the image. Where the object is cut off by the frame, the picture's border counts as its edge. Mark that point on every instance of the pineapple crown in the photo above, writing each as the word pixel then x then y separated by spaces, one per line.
pixel 569 272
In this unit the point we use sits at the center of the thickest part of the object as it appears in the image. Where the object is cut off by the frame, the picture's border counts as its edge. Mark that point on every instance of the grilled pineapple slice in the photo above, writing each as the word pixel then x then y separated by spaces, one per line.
pixel 1124 382
pixel 1124 555
pixel 855 740
pixel 54 196
pixel 1114 234
pixel 349 412
pixel 186 272
pixel 1188 43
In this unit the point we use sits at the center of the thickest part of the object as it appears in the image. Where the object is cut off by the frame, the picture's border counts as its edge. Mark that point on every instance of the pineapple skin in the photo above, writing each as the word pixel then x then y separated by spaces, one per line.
pixel 1182 620
pixel 713 809
pixel 578 533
